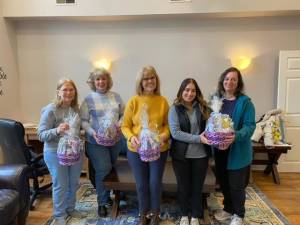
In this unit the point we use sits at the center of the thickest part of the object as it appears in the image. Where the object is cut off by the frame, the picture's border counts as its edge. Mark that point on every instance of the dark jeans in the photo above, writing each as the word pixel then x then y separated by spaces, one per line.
pixel 233 184
pixel 91 169
pixel 103 158
pixel 190 176
pixel 148 178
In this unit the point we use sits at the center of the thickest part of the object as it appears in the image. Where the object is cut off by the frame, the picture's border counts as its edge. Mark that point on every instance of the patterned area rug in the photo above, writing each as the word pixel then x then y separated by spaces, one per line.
pixel 259 210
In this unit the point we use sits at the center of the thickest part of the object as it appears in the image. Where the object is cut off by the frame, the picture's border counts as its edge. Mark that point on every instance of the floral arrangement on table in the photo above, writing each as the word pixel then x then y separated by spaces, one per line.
pixel 149 149
pixel 70 146
pixel 219 125
pixel 109 131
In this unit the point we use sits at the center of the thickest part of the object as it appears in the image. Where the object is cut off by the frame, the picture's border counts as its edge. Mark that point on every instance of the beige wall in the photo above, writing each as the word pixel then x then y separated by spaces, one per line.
pixel 9 101
pixel 178 48
pixel 42 8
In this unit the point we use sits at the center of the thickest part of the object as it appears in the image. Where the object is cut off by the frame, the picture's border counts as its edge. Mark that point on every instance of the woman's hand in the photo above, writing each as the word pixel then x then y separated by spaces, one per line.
pixel 62 128
pixel 163 139
pixel 96 137
pixel 134 141
pixel 228 141
pixel 203 139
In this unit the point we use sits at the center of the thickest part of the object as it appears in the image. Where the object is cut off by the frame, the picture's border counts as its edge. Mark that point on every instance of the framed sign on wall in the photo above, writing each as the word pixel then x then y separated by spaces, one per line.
pixel 3 77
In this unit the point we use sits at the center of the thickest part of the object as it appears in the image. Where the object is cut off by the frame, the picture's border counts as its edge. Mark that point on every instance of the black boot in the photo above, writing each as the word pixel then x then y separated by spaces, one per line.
pixel 155 219
pixel 102 212
pixel 143 219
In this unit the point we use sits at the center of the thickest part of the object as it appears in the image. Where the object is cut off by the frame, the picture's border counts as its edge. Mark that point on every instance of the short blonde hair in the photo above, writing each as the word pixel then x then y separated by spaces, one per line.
pixel 58 101
pixel 139 86
pixel 98 73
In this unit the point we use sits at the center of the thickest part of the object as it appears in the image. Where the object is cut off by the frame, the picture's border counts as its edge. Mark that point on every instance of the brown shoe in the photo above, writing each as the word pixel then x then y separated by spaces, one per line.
pixel 155 219
pixel 143 219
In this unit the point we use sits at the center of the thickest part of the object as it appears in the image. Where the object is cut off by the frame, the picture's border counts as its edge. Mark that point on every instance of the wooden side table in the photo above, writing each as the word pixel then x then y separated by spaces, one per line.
pixel 273 155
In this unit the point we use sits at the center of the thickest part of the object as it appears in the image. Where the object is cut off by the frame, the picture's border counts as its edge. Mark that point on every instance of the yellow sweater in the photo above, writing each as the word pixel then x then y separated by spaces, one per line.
pixel 158 108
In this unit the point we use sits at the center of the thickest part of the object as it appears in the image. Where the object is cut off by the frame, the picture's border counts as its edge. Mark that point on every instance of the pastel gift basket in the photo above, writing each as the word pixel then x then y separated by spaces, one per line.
pixel 219 126
pixel 109 131
pixel 70 146
pixel 149 149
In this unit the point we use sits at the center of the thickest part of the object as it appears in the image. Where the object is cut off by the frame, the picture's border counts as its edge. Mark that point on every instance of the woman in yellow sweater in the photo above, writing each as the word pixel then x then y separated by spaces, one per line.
pixel 148 173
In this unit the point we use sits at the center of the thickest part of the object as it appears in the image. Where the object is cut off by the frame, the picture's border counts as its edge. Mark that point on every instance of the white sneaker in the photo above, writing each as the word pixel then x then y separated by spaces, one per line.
pixel 194 221
pixel 184 220
pixel 222 215
pixel 77 214
pixel 236 220
pixel 60 221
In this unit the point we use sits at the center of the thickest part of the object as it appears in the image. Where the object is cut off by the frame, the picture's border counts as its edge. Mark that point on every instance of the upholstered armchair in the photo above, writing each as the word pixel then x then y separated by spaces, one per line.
pixel 14 194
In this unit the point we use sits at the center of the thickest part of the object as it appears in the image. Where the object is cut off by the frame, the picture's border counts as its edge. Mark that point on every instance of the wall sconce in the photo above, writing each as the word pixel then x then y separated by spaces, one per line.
pixel 241 62
pixel 103 63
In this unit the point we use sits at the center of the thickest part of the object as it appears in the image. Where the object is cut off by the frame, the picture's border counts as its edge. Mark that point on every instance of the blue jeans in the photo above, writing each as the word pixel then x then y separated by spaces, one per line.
pixel 65 181
pixel 102 158
pixel 148 177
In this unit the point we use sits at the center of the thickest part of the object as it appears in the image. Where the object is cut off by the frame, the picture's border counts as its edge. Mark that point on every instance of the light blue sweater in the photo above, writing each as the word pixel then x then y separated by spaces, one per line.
pixel 94 107
pixel 51 117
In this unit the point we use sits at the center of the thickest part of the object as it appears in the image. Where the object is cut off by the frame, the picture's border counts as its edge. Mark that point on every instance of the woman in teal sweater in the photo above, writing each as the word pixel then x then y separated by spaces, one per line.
pixel 234 158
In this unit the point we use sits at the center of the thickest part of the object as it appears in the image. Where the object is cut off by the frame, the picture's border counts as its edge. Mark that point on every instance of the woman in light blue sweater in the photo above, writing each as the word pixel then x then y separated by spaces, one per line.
pixel 51 128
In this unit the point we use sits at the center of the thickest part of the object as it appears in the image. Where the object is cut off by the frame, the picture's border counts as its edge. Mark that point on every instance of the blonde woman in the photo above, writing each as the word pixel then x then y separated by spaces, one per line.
pixel 96 107
pixel 148 175
pixel 51 127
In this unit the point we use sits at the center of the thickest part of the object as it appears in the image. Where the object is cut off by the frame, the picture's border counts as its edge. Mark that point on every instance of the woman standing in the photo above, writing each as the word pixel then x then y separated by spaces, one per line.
pixel 187 120
pixel 51 128
pixel 148 175
pixel 100 107
pixel 234 158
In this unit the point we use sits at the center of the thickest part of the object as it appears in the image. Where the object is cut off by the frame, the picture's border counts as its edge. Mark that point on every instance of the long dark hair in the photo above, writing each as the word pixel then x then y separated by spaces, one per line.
pixel 204 108
pixel 240 87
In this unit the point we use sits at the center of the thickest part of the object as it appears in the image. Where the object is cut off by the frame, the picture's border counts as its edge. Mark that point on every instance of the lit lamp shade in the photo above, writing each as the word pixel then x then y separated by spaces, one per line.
pixel 241 62
pixel 103 63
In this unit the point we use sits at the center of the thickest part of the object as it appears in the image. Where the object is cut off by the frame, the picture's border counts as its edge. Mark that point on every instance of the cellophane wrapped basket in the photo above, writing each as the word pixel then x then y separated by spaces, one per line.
pixel 70 146
pixel 149 149
pixel 219 126
pixel 109 132
pixel 69 150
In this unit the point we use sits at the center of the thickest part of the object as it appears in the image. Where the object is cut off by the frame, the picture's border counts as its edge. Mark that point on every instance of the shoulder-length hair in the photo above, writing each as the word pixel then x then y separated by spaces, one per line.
pixel 147 70
pixel 240 86
pixel 58 101
pixel 204 108
pixel 98 73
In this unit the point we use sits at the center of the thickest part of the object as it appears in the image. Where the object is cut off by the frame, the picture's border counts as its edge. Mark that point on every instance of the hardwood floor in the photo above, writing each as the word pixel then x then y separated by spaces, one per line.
pixel 286 197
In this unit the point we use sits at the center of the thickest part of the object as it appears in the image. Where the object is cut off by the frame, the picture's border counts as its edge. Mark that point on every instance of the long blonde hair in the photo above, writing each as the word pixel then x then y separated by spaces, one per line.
pixel 138 85
pixel 58 101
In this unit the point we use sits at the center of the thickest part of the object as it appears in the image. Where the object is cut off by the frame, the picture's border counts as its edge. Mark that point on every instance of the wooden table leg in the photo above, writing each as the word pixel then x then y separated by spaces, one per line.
pixel 115 206
pixel 272 166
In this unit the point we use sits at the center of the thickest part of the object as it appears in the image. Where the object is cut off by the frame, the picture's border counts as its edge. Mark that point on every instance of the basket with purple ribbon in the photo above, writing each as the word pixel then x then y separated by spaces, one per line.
pixel 149 149
pixel 219 126
pixel 109 136
pixel 69 150
pixel 70 146
pixel 109 132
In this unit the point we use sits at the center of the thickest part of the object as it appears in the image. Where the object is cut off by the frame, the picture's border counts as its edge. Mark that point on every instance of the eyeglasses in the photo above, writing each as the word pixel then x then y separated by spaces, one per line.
pixel 148 78
pixel 67 90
